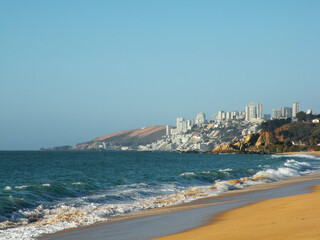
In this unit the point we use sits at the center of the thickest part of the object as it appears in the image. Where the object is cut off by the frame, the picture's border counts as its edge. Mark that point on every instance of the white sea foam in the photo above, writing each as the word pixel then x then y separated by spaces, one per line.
pixel 292 168
pixel 310 156
pixel 7 188
pixel 46 185
pixel 194 173
pixel 300 155
pixel 297 165
pixel 224 186
pixel 276 174
pixel 225 170
pixel 64 215
pixel 21 187
pixel 88 210
pixel 187 174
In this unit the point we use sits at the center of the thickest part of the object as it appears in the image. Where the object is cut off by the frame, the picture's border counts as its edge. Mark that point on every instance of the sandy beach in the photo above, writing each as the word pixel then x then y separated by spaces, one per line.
pixel 295 153
pixel 291 211
pixel 294 217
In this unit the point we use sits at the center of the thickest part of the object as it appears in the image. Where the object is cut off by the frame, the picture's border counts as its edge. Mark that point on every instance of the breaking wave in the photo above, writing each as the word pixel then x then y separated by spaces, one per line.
pixel 28 211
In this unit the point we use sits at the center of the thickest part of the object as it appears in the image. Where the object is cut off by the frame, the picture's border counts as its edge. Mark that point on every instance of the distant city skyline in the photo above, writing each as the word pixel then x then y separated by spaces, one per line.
pixel 251 112
pixel 71 71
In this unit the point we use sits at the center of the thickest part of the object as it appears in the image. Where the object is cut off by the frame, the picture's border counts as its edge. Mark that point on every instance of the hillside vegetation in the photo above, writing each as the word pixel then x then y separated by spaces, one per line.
pixel 306 132
pixel 296 136
pixel 276 136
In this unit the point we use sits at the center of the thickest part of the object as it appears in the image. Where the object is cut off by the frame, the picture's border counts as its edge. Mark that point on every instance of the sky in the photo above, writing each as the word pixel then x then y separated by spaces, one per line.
pixel 71 71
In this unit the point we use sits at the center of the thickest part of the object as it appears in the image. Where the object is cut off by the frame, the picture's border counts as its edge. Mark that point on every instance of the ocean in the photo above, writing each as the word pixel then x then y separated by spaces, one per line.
pixel 43 192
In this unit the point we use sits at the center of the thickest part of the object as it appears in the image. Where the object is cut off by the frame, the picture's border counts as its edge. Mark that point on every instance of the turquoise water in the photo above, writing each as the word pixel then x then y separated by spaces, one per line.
pixel 42 192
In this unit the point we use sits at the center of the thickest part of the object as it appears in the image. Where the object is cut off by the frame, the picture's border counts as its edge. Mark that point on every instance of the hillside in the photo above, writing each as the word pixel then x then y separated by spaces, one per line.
pixel 129 138
pixel 304 132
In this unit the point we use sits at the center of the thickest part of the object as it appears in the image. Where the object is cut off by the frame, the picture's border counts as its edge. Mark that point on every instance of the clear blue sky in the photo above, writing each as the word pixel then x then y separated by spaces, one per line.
pixel 71 71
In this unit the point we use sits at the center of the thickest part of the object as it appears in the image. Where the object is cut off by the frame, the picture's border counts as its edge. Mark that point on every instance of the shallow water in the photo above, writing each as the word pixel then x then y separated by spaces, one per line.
pixel 43 192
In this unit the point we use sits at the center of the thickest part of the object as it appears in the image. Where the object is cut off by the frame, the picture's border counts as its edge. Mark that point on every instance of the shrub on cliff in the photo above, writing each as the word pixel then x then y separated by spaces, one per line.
pixel 272 125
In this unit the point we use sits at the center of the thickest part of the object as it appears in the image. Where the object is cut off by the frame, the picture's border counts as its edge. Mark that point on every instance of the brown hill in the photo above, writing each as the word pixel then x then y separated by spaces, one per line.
pixel 113 135
pixel 132 138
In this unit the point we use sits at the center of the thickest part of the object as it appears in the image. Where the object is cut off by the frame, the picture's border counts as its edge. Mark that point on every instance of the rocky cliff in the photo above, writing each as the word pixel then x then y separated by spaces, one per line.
pixel 254 143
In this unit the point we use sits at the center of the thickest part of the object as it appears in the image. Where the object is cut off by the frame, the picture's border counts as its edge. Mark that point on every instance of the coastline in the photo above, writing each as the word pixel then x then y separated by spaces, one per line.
pixel 205 204
pixel 293 217
pixel 317 153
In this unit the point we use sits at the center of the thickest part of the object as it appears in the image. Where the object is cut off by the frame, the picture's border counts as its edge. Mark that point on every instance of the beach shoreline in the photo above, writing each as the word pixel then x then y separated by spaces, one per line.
pixel 293 217
pixel 200 203
pixel 316 153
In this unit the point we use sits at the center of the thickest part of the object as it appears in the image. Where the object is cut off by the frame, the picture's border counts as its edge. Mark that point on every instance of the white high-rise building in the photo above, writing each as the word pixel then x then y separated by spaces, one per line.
pixel 184 126
pixel 223 115
pixel 247 113
pixel 251 112
pixel 259 110
pixel 286 112
pixel 201 118
pixel 295 109
pixel 189 124
pixel 234 114
pixel 289 112
pixel 276 113
pixel 228 116
pixel 168 130
pixel 180 125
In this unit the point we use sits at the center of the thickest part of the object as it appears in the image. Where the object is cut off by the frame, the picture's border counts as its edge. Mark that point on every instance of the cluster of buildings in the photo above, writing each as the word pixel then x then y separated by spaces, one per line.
pixel 251 113
pixel 254 112
pixel 184 125
pixel 227 116
pixel 199 134
pixel 286 112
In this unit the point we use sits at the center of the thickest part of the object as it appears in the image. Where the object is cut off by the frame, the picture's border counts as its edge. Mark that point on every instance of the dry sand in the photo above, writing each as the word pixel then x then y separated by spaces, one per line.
pixel 290 153
pixel 295 217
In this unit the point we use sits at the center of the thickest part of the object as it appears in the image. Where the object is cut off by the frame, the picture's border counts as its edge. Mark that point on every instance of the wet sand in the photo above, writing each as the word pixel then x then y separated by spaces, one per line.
pixel 159 222
pixel 295 217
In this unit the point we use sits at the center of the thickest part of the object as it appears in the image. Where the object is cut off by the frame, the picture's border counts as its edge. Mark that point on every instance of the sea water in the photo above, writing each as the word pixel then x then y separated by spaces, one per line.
pixel 44 192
